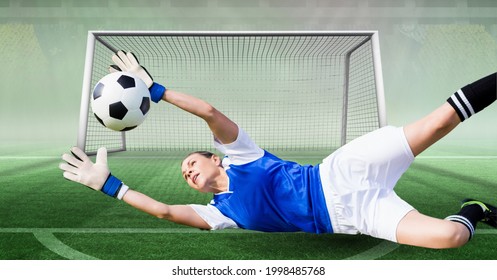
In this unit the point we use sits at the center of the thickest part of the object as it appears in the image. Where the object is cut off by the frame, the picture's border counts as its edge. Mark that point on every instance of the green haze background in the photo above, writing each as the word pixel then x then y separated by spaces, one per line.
pixel 429 49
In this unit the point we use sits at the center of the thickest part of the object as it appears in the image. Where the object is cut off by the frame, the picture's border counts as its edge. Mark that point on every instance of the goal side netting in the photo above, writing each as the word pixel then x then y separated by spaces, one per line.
pixel 299 92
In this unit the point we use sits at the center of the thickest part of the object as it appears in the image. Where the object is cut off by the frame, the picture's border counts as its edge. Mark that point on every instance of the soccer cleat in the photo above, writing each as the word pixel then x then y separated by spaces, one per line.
pixel 490 211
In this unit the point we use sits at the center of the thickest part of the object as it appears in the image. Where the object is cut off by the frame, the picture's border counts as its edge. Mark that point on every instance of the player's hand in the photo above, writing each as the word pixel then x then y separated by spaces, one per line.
pixel 79 168
pixel 128 62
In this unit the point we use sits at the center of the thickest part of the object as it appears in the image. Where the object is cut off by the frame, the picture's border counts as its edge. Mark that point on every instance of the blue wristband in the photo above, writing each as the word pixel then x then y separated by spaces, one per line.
pixel 112 186
pixel 156 92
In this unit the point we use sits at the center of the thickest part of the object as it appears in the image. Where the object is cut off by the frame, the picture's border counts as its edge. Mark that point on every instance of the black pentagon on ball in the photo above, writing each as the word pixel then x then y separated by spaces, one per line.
pixel 126 81
pixel 145 106
pixel 97 92
pixel 128 128
pixel 99 119
pixel 117 110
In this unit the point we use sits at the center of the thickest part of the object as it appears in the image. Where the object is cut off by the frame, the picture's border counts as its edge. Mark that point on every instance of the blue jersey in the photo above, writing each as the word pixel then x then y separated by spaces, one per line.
pixel 270 194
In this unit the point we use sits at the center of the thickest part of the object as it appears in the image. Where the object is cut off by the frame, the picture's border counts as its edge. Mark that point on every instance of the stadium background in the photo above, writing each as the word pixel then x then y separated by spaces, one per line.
pixel 429 49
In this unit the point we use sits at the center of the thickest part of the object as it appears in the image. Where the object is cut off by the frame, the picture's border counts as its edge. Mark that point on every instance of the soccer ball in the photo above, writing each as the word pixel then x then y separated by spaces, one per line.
pixel 120 101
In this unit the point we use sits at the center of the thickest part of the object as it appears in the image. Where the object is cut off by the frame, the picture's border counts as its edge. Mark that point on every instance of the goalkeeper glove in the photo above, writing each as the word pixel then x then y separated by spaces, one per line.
pixel 129 63
pixel 79 168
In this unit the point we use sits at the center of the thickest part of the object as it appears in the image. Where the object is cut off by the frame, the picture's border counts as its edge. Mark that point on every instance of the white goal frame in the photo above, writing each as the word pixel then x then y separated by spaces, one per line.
pixel 94 37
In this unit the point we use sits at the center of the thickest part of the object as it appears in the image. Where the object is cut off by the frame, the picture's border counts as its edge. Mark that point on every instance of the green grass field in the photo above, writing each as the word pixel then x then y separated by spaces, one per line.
pixel 44 216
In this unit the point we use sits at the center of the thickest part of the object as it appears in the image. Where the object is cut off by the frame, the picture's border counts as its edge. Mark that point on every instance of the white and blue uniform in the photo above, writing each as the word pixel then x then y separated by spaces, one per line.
pixel 350 192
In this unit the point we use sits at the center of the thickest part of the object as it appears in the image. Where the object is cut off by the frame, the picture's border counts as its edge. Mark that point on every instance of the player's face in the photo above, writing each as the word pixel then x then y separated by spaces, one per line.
pixel 201 172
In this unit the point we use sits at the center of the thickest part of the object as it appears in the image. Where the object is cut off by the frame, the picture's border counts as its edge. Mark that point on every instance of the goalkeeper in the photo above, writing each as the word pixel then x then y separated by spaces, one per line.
pixel 350 192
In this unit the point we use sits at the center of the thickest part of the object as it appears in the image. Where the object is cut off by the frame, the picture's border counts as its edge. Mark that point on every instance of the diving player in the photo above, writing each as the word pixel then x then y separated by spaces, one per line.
pixel 350 192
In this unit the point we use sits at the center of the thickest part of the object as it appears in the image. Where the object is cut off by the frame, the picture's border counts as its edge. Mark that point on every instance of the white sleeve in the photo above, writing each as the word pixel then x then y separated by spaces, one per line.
pixel 242 150
pixel 213 217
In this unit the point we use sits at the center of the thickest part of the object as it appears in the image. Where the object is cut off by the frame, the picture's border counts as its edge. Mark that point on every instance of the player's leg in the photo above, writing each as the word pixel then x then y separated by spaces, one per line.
pixel 417 229
pixel 433 127
pixel 460 106
pixel 454 231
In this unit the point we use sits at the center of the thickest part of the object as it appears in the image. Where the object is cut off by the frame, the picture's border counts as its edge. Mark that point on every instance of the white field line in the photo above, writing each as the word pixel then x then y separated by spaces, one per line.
pixel 456 157
pixel 375 252
pixel 28 157
pixel 51 242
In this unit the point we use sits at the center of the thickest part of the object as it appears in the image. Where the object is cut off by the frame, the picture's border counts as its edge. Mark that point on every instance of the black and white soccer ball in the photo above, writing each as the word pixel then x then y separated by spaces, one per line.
pixel 120 101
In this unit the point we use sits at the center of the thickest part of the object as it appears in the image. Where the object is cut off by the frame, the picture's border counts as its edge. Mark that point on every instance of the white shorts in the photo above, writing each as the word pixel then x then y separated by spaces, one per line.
pixel 358 181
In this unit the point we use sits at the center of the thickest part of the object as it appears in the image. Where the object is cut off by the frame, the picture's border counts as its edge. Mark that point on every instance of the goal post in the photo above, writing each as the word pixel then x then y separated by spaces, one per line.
pixel 301 92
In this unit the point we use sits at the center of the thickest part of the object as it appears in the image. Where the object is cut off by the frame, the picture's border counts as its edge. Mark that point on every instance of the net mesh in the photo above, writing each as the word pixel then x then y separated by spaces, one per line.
pixel 287 91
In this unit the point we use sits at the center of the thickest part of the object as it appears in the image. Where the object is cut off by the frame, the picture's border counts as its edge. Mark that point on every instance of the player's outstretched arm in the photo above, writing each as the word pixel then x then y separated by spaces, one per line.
pixel 78 167
pixel 180 214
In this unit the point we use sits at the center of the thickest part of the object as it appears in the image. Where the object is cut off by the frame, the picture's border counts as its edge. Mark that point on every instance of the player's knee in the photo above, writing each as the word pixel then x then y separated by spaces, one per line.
pixel 454 235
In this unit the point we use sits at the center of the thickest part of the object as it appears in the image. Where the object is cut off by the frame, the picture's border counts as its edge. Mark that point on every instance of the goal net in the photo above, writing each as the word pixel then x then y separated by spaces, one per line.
pixel 301 92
